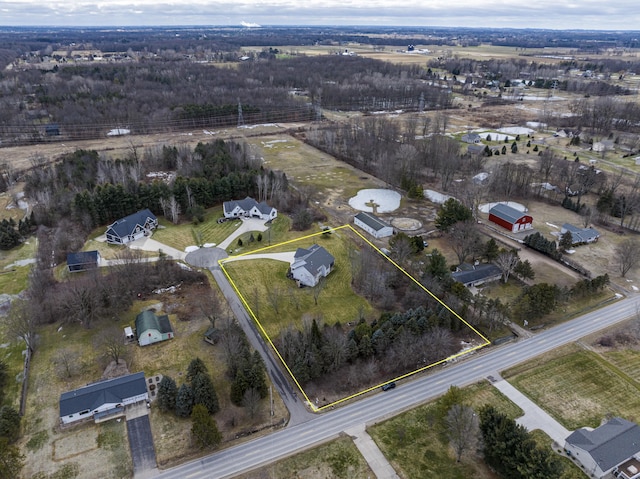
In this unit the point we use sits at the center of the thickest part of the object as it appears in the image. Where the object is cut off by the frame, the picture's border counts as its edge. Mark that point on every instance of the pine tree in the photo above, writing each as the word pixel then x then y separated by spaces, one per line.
pixel 196 366
pixel 204 429
pixel 184 401
pixel 9 423
pixel 167 392
pixel 204 393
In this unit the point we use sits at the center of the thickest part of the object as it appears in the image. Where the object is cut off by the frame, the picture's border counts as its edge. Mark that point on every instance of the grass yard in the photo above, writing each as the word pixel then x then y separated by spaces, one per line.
pixel 415 449
pixel 577 387
pixel 627 360
pixel 571 470
pixel 279 304
pixel 339 459
pixel 14 274
pixel 187 234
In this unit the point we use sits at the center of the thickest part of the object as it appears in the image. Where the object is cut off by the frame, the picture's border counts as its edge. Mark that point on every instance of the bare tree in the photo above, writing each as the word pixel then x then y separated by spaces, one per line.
pixel 251 402
pixel 462 429
pixel 628 255
pixel 318 288
pixel 465 239
pixel 274 294
pixel 112 344
pixel 22 324
pixel 507 261
pixel 67 363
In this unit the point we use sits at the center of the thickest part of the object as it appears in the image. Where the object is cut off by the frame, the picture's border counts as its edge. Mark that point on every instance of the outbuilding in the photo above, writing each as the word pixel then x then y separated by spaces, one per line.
pixel 373 225
pixel 510 218
pixel 153 329
pixel 82 261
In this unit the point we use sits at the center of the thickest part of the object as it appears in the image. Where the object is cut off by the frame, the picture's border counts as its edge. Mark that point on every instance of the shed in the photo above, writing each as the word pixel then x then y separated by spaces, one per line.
pixel 510 218
pixel 104 398
pixel 373 225
pixel 82 261
pixel 152 329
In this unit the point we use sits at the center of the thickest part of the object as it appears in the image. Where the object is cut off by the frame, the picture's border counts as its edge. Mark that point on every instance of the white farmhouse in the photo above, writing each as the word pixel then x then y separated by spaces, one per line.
pixel 248 208
pixel 310 265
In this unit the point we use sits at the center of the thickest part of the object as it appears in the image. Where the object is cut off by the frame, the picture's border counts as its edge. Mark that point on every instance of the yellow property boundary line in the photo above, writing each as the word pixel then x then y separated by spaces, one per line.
pixel 266 336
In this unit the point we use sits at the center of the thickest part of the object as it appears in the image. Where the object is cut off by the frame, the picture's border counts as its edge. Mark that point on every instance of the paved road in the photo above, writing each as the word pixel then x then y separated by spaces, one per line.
pixel 322 428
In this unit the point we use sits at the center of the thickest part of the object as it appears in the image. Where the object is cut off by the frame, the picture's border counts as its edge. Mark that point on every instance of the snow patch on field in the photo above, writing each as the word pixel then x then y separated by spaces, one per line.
pixel 436 197
pixel 385 201
pixel 516 130
pixel 518 206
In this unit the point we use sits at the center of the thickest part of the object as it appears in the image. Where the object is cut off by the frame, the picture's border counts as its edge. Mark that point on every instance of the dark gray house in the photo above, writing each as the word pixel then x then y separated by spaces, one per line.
pixel 132 227
pixel 476 275
pixel 104 398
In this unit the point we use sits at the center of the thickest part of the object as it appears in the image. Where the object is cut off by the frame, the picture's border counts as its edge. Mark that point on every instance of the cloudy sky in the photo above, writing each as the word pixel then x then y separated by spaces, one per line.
pixel 568 14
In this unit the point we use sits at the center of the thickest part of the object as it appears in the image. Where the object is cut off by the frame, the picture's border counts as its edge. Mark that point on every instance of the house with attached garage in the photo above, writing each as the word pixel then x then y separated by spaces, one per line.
pixel 153 329
pixel 373 225
pixel 82 261
pixel 580 235
pixel 476 274
pixel 310 265
pixel 611 450
pixel 103 399
pixel 510 218
pixel 132 227
pixel 248 208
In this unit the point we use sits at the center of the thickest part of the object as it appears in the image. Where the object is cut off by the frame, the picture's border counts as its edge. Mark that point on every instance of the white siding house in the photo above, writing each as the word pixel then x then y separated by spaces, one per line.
pixel 248 208
pixel 309 265
pixel 373 225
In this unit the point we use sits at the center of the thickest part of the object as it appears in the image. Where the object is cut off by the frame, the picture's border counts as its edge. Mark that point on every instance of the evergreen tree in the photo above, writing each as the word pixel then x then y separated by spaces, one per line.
pixel 184 401
pixel 204 429
pixel 491 250
pixel 437 265
pixel 196 366
pixel 9 423
pixel 450 213
pixel 11 461
pixel 204 393
pixel 167 392
pixel 524 270
pixel 566 241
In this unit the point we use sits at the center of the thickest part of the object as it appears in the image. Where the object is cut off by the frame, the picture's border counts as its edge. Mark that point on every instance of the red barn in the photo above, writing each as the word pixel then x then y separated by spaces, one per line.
pixel 510 218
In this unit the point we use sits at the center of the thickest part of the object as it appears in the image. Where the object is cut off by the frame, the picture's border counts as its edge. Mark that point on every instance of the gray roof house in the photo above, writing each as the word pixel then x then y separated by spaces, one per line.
pixel 610 448
pixel 102 399
pixel 373 225
pixel 82 261
pixel 153 329
pixel 471 138
pixel 311 264
pixel 580 235
pixel 248 208
pixel 476 275
pixel 132 227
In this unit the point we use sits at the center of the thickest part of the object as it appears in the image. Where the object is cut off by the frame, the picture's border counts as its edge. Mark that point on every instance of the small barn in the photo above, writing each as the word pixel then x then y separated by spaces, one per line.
pixel 510 218
pixel 132 227
pixel 152 329
pixel 82 261
pixel 373 225
pixel 310 265
pixel 103 399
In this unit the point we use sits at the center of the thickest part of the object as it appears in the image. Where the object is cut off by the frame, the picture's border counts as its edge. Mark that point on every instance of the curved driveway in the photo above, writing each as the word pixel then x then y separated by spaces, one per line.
pixel 230 462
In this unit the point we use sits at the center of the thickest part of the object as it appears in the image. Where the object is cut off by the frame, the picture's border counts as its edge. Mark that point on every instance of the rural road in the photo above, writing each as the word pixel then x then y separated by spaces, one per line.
pixel 324 427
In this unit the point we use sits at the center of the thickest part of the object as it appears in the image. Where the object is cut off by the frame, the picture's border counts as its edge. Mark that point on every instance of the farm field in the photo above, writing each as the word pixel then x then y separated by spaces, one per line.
pixel 577 387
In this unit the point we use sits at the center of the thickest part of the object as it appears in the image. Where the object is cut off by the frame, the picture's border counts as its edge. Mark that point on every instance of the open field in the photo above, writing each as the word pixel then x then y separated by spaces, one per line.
pixel 414 447
pixel 14 273
pixel 339 459
pixel 577 387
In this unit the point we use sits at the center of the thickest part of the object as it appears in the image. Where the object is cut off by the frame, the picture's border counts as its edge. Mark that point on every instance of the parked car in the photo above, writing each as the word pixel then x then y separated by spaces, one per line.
pixel 388 386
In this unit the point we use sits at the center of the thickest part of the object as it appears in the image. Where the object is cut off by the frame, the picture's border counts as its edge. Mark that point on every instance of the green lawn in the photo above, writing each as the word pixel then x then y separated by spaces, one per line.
pixel 278 303
pixel 415 448
pixel 627 360
pixel 577 387
pixel 187 234
pixel 339 459
pixel 14 278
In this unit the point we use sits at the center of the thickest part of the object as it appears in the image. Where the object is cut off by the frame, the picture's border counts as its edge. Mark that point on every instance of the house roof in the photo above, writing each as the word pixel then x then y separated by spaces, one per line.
pixel 94 395
pixel 127 225
pixel 246 205
pixel 148 320
pixel 610 444
pixel 312 259
pixel 580 235
pixel 506 212
pixel 477 273
pixel 470 137
pixel 475 148
pixel 82 258
pixel 372 221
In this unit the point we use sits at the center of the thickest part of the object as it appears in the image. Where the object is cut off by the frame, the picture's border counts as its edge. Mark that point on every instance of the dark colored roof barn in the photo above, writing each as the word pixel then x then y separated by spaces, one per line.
pixel 506 212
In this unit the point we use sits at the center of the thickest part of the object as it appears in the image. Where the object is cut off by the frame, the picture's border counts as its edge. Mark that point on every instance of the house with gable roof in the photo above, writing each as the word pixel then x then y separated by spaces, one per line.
pixel 83 261
pixel 103 399
pixel 310 265
pixel 248 208
pixel 373 225
pixel 613 448
pixel 471 138
pixel 132 227
pixel 580 235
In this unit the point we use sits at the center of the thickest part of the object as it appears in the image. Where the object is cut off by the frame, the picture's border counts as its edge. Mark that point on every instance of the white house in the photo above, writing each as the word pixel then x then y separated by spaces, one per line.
pixel 249 208
pixel 310 265
pixel 132 227
pixel 614 447
pixel 471 138
pixel 373 225
pixel 104 398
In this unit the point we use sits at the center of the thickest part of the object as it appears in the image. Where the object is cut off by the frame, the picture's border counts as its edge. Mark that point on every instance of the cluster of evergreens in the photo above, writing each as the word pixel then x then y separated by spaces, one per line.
pixel 11 234
pixel 11 461
pixel 540 243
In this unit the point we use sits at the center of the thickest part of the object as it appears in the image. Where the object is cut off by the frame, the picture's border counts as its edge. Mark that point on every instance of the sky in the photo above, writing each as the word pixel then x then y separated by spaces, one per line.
pixel 552 14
